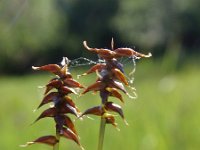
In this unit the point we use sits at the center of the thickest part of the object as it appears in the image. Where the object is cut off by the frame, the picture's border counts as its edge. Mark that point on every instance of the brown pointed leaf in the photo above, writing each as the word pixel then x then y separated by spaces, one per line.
pixel 117 85
pixel 55 83
pixel 88 48
pixel 97 110
pixel 97 67
pixel 115 93
pixel 119 75
pixel 103 53
pixel 106 54
pixel 64 120
pixel 110 119
pixel 128 52
pixel 64 69
pixel 51 112
pixel 68 123
pixel 71 103
pixel 47 89
pixel 49 140
pixel 53 68
pixel 67 75
pixel 95 87
pixel 64 109
pixel 72 83
pixel 67 90
pixel 110 106
pixel 49 98
pixel 69 134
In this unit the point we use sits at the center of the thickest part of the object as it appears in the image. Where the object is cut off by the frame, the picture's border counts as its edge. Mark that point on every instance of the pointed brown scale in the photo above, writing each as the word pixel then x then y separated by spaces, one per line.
pixel 69 134
pixel 67 75
pixel 90 49
pixel 95 87
pixel 110 119
pixel 66 90
pixel 117 85
pixel 104 53
pixel 128 52
pixel 72 83
pixel 64 70
pixel 49 98
pixel 47 89
pixel 71 103
pixel 97 67
pixel 97 110
pixel 63 120
pixel 119 75
pixel 64 109
pixel 68 123
pixel 54 83
pixel 110 106
pixel 53 68
pixel 115 93
pixel 49 140
pixel 51 112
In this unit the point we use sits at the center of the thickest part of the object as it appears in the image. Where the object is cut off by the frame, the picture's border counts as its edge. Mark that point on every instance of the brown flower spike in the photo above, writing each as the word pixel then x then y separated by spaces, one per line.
pixel 111 80
pixel 64 85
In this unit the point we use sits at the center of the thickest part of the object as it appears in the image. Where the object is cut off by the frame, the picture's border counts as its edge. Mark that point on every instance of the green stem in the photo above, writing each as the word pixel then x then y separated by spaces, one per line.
pixel 101 133
pixel 56 147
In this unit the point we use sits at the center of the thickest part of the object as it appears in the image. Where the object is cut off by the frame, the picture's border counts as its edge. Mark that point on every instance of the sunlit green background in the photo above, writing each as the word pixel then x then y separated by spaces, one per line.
pixel 165 116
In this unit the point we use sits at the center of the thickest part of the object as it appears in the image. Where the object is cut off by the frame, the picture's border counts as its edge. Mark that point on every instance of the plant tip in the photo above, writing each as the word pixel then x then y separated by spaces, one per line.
pixel 126 123
pixel 149 54
pixel 35 68
pixel 82 148
pixel 27 144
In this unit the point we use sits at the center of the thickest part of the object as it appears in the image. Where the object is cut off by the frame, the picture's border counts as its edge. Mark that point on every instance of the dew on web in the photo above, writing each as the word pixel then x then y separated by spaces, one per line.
pixel 100 61
pixel 129 66
pixel 81 61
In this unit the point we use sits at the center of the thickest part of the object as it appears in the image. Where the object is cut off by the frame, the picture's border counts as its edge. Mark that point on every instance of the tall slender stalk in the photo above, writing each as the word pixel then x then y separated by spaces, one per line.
pixel 101 133
pixel 56 146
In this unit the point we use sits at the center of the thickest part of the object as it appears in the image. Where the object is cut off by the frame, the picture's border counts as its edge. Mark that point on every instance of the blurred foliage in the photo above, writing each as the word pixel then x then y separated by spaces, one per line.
pixel 157 24
pixel 38 32
pixel 165 116
pixel 27 28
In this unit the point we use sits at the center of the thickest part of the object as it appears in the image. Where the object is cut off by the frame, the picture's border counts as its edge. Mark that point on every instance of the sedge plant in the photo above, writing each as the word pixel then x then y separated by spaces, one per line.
pixel 110 81
pixel 57 91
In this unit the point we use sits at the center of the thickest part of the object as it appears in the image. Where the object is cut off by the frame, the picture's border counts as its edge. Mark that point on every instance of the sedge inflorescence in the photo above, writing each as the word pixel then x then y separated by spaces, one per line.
pixel 63 85
pixel 111 80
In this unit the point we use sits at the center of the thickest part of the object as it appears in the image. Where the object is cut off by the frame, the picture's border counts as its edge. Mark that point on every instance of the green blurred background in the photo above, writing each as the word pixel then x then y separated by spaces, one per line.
pixel 165 116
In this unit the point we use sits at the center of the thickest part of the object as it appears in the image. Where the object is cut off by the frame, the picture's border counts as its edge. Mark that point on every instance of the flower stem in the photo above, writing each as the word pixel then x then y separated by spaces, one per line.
pixel 56 147
pixel 101 134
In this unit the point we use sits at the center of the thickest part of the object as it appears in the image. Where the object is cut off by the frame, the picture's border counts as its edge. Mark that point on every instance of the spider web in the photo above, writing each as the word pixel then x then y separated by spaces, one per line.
pixel 129 66
pixel 81 61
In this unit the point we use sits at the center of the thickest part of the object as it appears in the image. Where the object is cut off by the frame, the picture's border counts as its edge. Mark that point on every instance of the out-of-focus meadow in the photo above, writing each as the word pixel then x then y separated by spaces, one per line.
pixel 165 116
